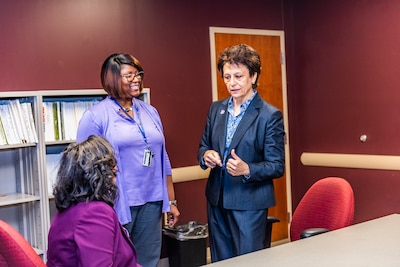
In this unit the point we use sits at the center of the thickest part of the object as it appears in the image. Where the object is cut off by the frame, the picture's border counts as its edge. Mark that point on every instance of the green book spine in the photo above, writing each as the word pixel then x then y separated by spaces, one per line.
pixel 55 122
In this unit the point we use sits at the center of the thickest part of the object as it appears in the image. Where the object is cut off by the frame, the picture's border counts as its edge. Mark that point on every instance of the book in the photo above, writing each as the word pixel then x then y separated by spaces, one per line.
pixel 63 117
pixel 56 122
pixel 16 112
pixel 79 108
pixel 3 138
pixel 28 107
pixel 60 115
pixel 69 121
pixel 9 125
pixel 27 116
pixel 48 121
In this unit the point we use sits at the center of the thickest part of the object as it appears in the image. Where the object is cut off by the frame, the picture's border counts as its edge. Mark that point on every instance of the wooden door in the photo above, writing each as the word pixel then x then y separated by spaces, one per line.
pixel 271 83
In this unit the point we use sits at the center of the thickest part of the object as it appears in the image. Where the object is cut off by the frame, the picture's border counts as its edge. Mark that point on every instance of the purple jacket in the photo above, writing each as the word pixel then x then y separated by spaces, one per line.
pixel 89 234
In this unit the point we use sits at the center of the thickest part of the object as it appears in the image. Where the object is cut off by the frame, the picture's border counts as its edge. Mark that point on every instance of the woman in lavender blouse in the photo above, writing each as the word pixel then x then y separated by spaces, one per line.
pixel 135 131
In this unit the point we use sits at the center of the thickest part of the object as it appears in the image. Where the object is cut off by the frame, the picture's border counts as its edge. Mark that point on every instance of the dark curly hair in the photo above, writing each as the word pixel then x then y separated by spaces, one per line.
pixel 86 173
pixel 241 54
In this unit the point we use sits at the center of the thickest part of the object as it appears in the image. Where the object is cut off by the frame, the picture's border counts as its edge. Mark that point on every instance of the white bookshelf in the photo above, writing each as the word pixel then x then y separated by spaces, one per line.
pixel 26 201
pixel 52 149
pixel 21 194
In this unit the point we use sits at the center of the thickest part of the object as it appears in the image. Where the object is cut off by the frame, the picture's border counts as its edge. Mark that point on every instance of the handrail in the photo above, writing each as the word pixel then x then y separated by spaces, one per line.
pixel 189 173
pixel 359 161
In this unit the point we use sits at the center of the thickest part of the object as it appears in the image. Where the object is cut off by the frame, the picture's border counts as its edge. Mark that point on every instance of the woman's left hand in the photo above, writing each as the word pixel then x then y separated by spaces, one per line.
pixel 236 166
pixel 173 216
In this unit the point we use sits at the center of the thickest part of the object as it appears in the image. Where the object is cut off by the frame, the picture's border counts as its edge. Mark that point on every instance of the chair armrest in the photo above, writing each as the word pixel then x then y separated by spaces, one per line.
pixel 268 231
pixel 272 219
pixel 312 232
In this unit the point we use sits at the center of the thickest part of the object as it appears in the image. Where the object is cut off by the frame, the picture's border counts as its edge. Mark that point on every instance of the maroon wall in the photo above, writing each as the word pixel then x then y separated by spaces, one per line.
pixel 61 44
pixel 342 68
pixel 344 83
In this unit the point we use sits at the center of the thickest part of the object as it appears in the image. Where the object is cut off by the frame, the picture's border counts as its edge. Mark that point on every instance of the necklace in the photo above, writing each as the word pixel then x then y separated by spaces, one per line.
pixel 127 109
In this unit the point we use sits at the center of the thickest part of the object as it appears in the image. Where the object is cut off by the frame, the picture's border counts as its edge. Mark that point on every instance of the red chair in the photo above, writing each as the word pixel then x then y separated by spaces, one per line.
pixel 327 205
pixel 15 250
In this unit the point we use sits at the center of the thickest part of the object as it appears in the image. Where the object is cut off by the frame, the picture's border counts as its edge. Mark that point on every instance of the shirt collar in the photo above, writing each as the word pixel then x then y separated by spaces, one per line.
pixel 244 105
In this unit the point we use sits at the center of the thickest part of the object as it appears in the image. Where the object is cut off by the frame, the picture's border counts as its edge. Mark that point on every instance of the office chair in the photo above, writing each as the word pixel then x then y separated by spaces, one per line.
pixel 327 205
pixel 15 250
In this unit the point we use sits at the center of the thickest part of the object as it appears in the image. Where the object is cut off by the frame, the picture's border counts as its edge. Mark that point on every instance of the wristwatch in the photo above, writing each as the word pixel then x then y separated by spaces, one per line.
pixel 173 202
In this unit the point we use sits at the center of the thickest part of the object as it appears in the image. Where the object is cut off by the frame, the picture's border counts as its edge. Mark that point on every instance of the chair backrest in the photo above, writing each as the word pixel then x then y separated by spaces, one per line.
pixel 328 203
pixel 15 250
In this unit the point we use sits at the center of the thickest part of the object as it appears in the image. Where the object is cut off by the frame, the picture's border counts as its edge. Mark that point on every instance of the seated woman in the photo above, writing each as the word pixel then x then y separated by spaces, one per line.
pixel 85 230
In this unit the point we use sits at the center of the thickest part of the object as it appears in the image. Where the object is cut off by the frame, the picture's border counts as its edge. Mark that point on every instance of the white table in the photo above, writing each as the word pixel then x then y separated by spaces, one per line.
pixel 373 243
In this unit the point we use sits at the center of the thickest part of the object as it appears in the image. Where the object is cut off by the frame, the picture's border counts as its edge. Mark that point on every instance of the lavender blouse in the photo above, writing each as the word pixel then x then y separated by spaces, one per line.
pixel 130 137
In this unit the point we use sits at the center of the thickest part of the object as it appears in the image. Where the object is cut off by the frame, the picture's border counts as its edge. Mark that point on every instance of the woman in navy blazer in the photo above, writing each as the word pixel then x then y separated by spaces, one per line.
pixel 243 144
pixel 85 230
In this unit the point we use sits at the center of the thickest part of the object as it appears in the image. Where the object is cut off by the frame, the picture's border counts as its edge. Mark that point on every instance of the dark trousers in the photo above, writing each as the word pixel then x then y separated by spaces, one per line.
pixel 235 232
pixel 145 231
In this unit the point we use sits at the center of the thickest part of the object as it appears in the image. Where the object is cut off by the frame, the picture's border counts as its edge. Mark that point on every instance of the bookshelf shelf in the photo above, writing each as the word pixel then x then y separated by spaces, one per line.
pixel 57 143
pixel 10 147
pixel 16 198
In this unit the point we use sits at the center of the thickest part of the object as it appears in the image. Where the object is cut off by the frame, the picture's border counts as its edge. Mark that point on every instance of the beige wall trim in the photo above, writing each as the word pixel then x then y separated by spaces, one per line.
pixel 360 161
pixel 189 173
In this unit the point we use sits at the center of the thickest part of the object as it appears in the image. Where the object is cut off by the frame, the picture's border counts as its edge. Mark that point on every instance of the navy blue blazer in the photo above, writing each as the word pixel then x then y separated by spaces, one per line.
pixel 259 141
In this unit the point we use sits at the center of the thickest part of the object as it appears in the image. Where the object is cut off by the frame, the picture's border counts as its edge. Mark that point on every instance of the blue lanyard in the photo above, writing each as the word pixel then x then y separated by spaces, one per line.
pixel 140 126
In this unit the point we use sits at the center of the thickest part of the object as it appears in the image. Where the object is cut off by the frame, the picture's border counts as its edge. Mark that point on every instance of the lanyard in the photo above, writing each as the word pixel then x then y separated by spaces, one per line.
pixel 140 125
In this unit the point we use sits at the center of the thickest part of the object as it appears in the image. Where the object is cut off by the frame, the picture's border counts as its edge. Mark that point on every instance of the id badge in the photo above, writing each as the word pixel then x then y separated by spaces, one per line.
pixel 147 157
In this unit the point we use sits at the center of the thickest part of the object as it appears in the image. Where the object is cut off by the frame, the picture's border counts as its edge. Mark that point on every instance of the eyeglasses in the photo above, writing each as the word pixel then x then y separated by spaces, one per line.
pixel 131 76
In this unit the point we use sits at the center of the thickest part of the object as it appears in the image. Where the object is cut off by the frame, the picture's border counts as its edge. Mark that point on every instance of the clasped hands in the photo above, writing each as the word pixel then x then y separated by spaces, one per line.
pixel 235 165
